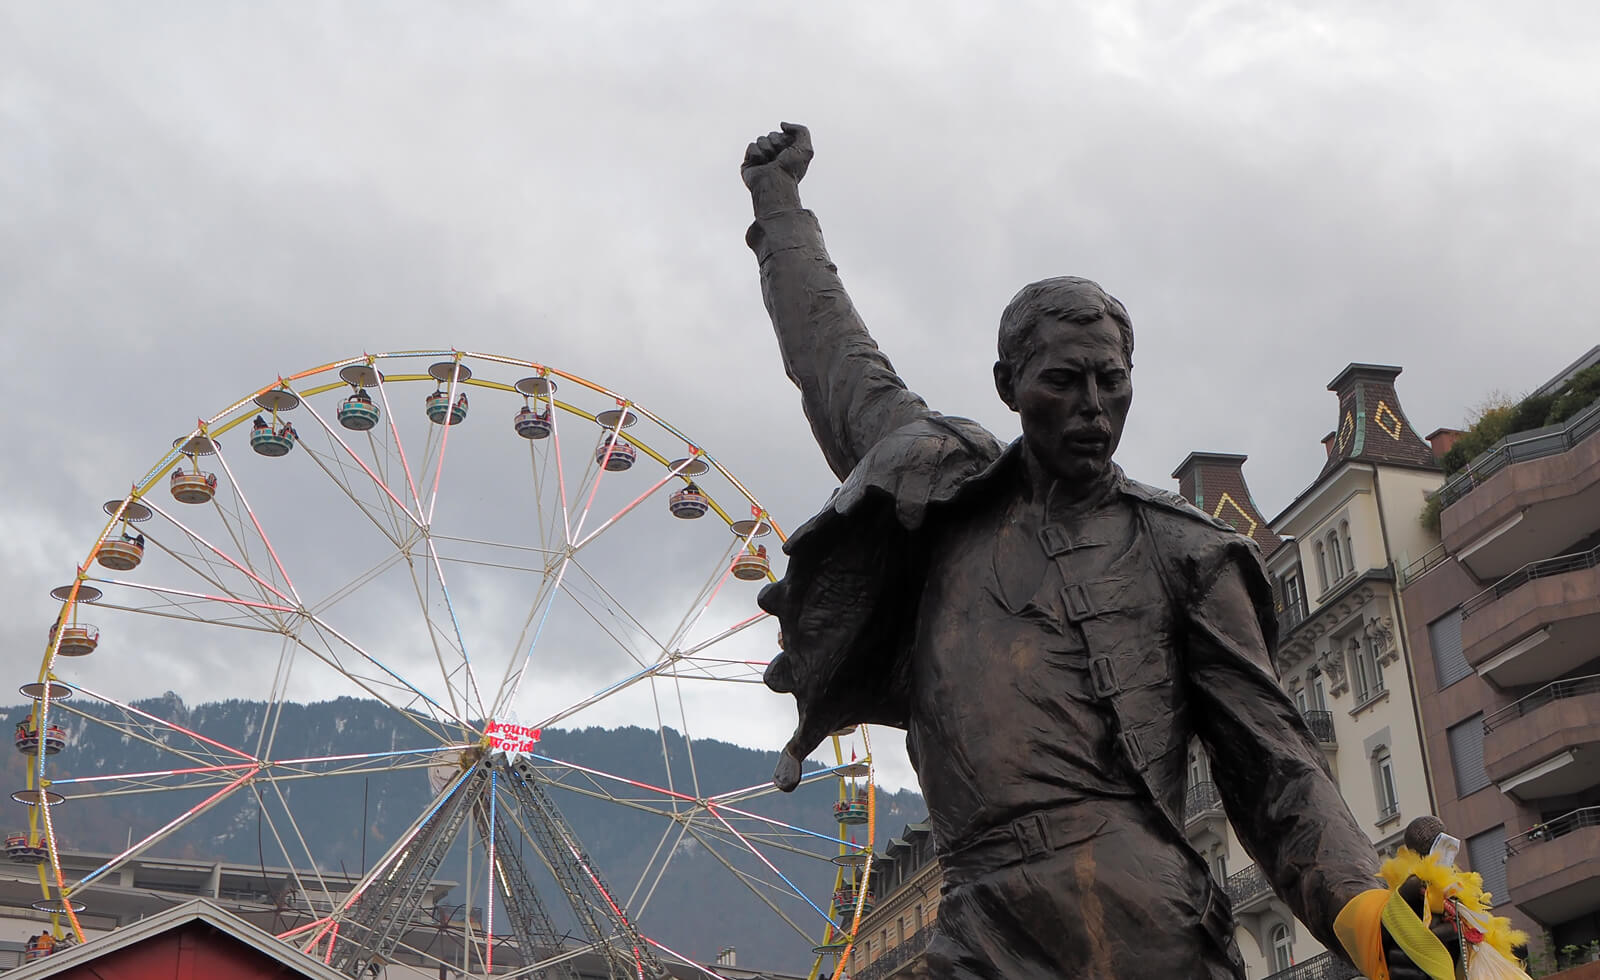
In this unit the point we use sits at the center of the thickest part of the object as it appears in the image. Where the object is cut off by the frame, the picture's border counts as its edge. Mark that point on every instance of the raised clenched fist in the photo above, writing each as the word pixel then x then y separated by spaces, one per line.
pixel 786 152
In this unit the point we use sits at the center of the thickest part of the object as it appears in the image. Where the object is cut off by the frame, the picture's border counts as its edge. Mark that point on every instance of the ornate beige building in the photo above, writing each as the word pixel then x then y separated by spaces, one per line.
pixel 1332 557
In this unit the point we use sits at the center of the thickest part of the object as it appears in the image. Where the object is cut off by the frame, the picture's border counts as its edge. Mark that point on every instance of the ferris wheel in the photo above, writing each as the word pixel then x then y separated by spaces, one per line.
pixel 483 553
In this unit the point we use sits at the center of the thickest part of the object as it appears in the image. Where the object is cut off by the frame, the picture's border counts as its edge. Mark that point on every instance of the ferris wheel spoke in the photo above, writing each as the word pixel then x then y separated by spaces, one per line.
pixel 606 619
pixel 294 825
pixel 444 443
pixel 165 723
pixel 726 634
pixel 255 522
pixel 399 446
pixel 605 692
pixel 395 679
pixel 236 601
pixel 751 882
pixel 547 597
pixel 674 832
pixel 619 515
pixel 288 857
pixel 768 839
pixel 708 593
pixel 160 833
pixel 390 532
pixel 230 561
pixel 190 616
pixel 759 856
pixel 355 585
pixel 433 632
pixel 414 519
pixel 471 691
pixel 144 733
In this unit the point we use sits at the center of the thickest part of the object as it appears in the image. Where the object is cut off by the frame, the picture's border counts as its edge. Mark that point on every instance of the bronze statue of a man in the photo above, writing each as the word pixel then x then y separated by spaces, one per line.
pixel 1050 634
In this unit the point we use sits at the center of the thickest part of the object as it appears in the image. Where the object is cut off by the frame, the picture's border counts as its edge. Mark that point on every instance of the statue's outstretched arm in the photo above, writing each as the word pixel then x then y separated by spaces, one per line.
pixel 851 393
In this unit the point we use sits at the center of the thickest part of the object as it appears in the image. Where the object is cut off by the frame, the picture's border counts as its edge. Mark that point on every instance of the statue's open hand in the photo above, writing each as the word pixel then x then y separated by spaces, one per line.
pixel 787 151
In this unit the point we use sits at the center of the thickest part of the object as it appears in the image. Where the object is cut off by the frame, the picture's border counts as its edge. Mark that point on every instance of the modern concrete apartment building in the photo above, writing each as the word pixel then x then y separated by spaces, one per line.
pixel 1504 621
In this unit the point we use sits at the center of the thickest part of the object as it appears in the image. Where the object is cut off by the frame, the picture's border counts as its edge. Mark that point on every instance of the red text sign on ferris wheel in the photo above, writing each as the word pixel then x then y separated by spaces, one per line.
pixel 508 737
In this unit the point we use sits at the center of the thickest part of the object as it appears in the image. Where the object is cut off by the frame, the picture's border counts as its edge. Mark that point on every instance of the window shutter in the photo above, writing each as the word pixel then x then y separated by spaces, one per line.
pixel 1449 662
pixel 1466 755
pixel 1487 852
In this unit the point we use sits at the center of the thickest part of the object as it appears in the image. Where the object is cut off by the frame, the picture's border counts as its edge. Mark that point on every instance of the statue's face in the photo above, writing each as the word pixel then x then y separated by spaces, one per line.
pixel 1073 397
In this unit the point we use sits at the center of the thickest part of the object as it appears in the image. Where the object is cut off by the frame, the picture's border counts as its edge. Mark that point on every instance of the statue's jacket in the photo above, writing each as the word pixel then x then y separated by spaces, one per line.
pixel 1191 659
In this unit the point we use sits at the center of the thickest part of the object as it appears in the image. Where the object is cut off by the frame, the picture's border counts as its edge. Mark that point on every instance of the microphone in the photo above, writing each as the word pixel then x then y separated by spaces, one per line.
pixel 1422 832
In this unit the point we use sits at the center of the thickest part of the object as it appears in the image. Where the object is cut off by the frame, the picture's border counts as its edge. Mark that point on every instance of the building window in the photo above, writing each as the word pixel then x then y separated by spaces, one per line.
pixel 919 918
pixel 1219 867
pixel 1335 560
pixel 1367 677
pixel 900 930
pixel 1282 948
pixel 1383 782
pixel 1449 659
pixel 1301 701
pixel 1293 594
pixel 1319 695
pixel 1349 546
pixel 1322 567
pixel 1486 854
pixel 1466 755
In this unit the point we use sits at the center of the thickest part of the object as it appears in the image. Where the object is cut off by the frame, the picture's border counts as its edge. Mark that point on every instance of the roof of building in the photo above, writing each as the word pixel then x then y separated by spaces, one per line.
pixel 1214 482
pixel 167 921
pixel 1372 426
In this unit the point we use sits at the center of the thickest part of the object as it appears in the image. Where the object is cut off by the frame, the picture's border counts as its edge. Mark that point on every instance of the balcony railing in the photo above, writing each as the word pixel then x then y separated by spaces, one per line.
pixel 1291 615
pixel 1247 885
pixel 1324 966
pixel 896 956
pixel 1434 556
pixel 1555 691
pixel 1321 725
pixel 1200 798
pixel 1559 565
pixel 1519 446
pixel 1561 826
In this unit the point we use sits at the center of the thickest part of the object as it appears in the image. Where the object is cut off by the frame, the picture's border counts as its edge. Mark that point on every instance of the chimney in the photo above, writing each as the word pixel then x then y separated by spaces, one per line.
pixel 1443 440
pixel 727 956
pixel 1327 444
pixel 1372 427
pixel 1214 482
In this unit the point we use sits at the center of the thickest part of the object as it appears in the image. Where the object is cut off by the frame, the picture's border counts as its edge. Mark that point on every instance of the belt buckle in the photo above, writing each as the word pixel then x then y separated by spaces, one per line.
pixel 1033 836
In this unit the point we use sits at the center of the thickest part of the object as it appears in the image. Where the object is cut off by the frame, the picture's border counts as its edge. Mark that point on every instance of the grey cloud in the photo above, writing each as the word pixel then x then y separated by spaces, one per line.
pixel 201 196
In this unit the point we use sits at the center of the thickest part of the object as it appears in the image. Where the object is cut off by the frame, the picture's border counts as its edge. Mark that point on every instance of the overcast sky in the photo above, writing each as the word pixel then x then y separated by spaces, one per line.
pixel 197 197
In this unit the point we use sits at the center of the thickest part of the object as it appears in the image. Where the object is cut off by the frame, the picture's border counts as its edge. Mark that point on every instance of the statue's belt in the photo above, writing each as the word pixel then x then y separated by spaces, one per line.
pixel 1028 838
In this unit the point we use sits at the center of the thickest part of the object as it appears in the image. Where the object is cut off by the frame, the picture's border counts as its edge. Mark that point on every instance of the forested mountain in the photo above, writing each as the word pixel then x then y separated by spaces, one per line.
pixel 348 821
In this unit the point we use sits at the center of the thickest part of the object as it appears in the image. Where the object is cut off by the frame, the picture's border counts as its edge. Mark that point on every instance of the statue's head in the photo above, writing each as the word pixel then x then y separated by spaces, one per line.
pixel 1065 367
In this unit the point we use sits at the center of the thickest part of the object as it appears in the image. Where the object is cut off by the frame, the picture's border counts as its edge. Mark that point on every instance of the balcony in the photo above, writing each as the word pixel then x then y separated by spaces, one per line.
pixel 1291 615
pixel 1537 623
pixel 1248 890
pixel 1553 870
pixel 1202 811
pixel 1324 966
pixel 1321 725
pixel 1548 743
pixel 1525 497
pixel 897 960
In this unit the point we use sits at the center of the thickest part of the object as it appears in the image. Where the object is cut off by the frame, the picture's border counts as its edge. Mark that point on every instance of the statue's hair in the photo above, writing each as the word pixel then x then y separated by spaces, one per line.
pixel 1065 298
